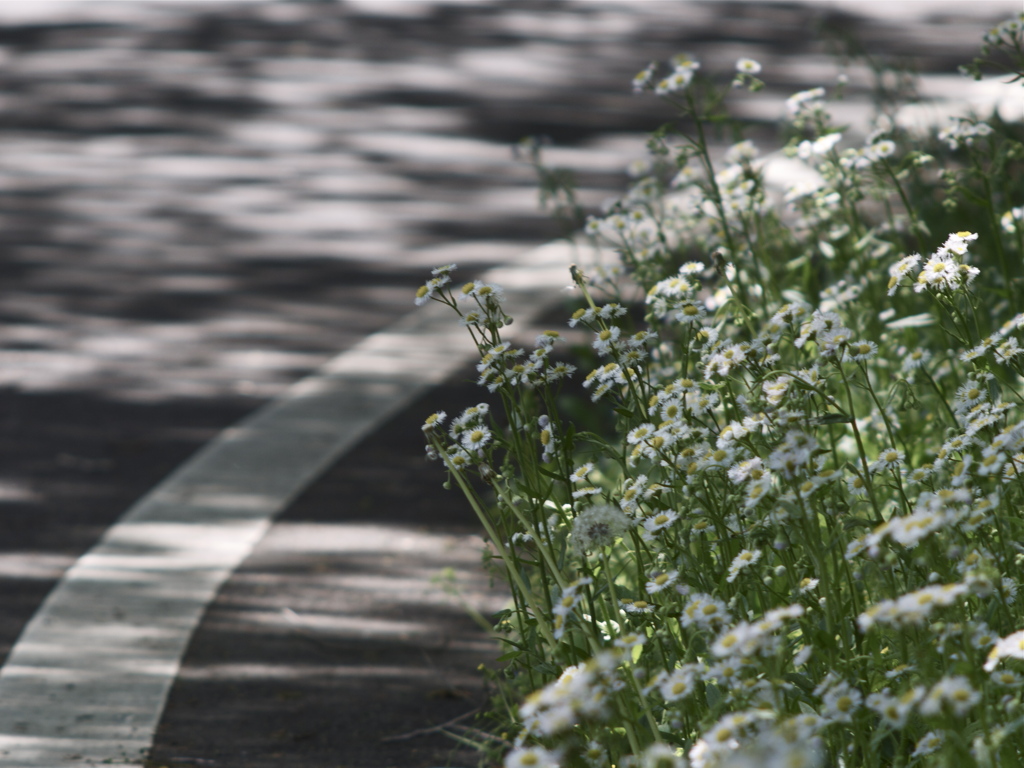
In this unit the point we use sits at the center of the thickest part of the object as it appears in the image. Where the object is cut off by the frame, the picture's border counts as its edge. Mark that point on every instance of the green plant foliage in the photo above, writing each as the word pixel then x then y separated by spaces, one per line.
pixel 793 537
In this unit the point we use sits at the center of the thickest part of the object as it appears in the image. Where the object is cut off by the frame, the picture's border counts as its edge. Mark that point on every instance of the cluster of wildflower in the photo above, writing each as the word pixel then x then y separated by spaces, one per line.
pixel 580 692
pixel 468 432
pixel 642 226
pixel 502 365
pixel 810 498
pixel 746 75
pixel 442 276
pixel 805 106
pixel 683 69
pixel 942 272
pixel 963 131
pixel 1002 43
pixel 1008 31
pixel 913 608
pixel 741 192
pixel 839 174
pixel 1010 220
pixel 678 294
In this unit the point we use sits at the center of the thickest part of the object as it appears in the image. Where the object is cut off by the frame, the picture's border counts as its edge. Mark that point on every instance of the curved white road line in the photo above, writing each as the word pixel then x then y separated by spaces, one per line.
pixel 87 680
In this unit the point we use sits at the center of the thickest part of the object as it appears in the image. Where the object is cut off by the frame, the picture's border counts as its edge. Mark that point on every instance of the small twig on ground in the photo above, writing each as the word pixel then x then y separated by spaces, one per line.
pixel 433 728
pixel 483 734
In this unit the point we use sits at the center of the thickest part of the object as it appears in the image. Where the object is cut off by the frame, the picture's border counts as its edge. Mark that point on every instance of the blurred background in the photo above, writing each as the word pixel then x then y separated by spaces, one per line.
pixel 203 199
pixel 201 202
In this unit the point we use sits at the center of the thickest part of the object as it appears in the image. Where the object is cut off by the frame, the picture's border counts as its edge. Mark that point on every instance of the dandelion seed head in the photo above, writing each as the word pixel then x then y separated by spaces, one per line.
pixel 598 527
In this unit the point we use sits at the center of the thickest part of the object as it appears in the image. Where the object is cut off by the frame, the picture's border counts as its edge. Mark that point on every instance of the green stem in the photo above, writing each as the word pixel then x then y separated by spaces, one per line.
pixel 915 223
pixel 942 396
pixel 860 445
pixel 540 541
pixel 542 623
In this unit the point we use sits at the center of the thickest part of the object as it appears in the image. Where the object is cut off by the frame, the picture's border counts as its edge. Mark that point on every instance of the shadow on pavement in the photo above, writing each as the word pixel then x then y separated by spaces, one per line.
pixel 200 204
pixel 336 640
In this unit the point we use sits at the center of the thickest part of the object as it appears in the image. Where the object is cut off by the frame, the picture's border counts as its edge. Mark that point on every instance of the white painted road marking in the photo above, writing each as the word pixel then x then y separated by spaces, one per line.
pixel 88 678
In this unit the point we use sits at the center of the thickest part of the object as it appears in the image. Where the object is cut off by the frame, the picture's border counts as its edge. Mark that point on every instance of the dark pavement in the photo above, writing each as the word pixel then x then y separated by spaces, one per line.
pixel 201 203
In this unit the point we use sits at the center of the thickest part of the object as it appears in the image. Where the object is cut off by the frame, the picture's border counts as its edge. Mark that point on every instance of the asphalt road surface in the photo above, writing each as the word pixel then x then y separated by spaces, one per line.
pixel 203 203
